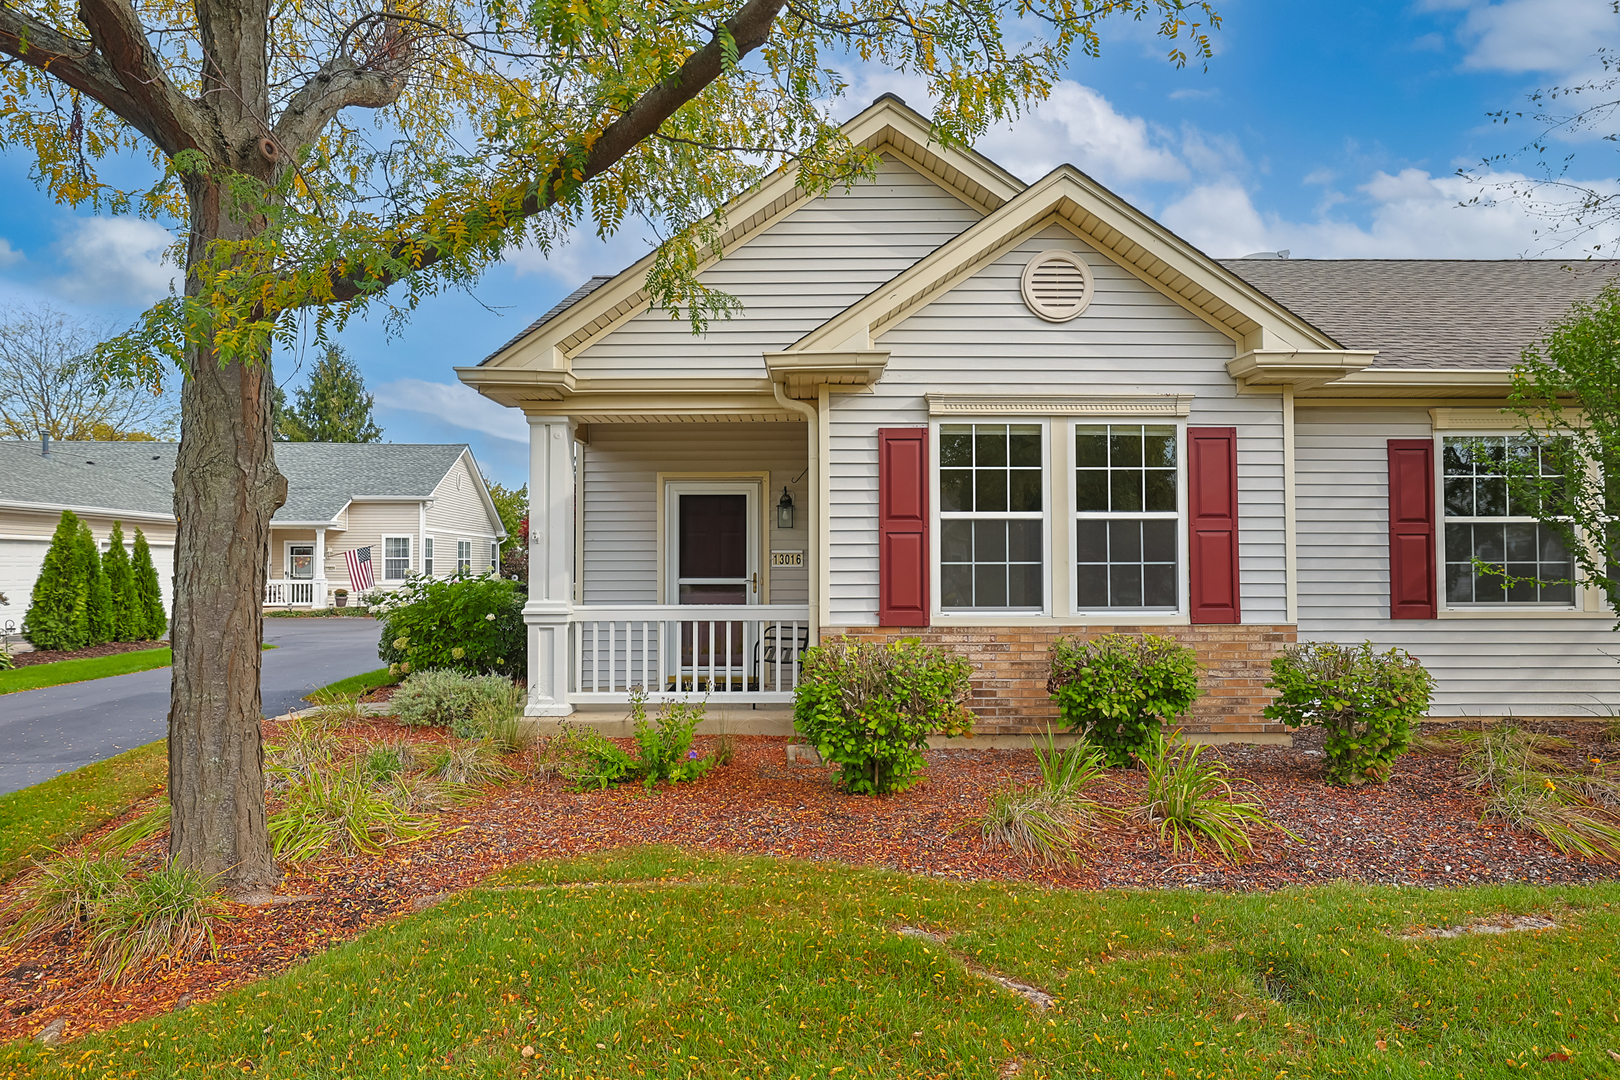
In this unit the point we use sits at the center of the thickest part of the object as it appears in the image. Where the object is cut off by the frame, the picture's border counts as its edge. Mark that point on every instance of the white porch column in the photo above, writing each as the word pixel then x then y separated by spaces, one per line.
pixel 319 598
pixel 551 563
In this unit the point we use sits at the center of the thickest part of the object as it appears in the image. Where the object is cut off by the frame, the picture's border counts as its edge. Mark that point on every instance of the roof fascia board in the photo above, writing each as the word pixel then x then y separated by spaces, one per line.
pixel 331 524
pixel 1417 381
pixel 104 511
pixel 885 124
pixel 1068 194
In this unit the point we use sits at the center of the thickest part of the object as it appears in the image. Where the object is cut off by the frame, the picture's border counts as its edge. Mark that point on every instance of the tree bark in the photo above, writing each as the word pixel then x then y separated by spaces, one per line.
pixel 226 487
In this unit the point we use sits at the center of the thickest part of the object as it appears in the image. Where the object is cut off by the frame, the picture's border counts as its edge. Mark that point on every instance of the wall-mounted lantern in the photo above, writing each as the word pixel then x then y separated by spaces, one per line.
pixel 784 510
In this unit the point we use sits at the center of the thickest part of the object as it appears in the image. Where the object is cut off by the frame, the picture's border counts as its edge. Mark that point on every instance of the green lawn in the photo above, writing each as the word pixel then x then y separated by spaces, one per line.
pixel 71 671
pixel 357 684
pixel 650 962
pixel 62 809
pixel 60 672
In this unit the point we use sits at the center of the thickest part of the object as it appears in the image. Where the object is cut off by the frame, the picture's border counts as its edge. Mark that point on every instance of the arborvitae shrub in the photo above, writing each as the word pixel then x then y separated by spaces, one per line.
pixel 121 587
pixel 56 616
pixel 99 614
pixel 149 597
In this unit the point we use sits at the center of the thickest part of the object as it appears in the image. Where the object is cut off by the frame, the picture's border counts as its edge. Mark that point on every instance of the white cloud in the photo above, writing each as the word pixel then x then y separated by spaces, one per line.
pixel 1557 36
pixel 1079 126
pixel 117 259
pixel 454 403
pixel 1409 215
pixel 8 254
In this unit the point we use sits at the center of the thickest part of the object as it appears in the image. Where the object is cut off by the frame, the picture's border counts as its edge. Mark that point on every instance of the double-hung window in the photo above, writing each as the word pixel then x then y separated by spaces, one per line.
pixel 463 556
pixel 992 517
pixel 427 556
pixel 396 558
pixel 494 556
pixel 1491 519
pixel 1127 517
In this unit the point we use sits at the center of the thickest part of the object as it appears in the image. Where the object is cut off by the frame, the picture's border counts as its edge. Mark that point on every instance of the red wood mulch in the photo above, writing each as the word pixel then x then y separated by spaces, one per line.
pixel 1422 828
pixel 111 648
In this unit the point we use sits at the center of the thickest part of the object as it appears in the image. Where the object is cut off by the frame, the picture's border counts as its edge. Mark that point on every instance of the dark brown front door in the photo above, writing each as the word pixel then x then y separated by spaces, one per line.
pixel 713 568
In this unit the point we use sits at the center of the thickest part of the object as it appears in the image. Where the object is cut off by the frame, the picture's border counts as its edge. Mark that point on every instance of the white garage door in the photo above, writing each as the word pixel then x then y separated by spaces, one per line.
pixel 20 561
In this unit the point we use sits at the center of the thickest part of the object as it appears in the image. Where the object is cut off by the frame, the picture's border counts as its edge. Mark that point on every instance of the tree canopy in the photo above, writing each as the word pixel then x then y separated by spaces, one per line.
pixel 332 406
pixel 50 384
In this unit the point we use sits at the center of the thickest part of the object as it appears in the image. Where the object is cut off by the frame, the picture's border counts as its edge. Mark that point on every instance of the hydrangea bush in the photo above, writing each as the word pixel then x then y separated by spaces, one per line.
pixel 468 624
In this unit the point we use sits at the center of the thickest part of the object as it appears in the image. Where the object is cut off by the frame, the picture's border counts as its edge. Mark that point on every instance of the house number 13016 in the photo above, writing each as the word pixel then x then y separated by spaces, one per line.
pixel 787 558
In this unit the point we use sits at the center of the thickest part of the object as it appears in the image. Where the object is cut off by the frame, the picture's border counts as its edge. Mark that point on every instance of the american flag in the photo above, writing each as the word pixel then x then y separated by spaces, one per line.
pixel 359 560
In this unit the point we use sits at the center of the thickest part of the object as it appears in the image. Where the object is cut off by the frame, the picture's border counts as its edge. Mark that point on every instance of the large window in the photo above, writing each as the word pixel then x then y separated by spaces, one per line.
pixel 992 517
pixel 1127 516
pixel 1490 519
pixel 396 558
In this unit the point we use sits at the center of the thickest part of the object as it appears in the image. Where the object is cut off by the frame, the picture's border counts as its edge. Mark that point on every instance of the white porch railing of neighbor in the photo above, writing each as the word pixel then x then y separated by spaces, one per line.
pixel 746 654
pixel 288 593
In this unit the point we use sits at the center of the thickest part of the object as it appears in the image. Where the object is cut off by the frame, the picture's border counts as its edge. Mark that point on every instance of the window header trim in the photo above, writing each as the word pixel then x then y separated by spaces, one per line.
pixel 1177 405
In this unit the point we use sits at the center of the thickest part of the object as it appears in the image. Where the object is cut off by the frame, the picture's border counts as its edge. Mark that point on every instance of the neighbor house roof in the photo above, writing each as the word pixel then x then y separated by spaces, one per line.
pixel 137 477
pixel 1429 313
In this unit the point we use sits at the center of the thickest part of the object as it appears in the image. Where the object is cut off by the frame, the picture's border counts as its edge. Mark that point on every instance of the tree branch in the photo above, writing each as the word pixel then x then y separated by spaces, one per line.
pixel 76 63
pixel 121 39
pixel 339 84
pixel 749 29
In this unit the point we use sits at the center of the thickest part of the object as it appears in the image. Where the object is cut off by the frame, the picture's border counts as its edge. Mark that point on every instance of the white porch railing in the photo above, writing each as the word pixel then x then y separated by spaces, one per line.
pixel 294 593
pixel 743 654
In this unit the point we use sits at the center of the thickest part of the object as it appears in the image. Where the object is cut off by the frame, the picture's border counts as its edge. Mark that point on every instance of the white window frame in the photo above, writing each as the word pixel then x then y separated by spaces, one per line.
pixel 287 557
pixel 1580 603
pixel 409 558
pixel 427 556
pixel 1183 574
pixel 494 556
pixel 463 556
pixel 936 521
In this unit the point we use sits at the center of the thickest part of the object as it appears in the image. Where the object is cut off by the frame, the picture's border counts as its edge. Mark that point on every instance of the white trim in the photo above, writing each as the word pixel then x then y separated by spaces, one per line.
pixel 1067 405
pixel 1290 512
pixel 99 511
pixel 286 559
pixel 463 565
pixel 1181 612
pixel 756 571
pixel 1026 284
pixel 428 555
pixel 410 558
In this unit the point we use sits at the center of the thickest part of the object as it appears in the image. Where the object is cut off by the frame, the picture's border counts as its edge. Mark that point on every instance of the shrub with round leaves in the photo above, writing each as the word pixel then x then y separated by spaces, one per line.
pixel 1367 702
pixel 1121 689
pixel 472 625
pixel 870 707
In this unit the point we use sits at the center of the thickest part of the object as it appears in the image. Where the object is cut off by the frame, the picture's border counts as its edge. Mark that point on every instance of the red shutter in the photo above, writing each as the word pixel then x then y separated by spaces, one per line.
pixel 903 596
pixel 1212 525
pixel 1411 529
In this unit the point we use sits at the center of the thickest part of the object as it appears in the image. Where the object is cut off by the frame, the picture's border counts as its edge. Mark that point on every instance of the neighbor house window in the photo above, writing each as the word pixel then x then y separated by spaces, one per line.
pixel 1127 516
pixel 494 555
pixel 992 517
pixel 463 556
pixel 396 558
pixel 301 561
pixel 1490 519
pixel 427 556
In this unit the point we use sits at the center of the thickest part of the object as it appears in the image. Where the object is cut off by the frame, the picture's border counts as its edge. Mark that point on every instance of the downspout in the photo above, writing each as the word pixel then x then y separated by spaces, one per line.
pixel 812 564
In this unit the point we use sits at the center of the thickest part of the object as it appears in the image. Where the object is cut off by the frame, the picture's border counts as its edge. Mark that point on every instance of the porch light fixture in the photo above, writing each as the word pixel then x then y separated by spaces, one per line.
pixel 784 511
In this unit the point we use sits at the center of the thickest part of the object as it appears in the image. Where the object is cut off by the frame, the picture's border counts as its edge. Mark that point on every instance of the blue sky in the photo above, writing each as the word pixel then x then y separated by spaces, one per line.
pixel 1331 130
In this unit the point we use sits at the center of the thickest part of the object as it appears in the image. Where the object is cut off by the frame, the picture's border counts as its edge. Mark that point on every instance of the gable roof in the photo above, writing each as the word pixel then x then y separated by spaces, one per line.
pixel 1429 313
pixel 137 477
pixel 596 282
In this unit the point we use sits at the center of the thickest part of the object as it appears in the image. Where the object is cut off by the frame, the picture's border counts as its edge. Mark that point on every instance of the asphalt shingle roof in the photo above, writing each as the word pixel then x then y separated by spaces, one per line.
pixel 557 309
pixel 138 476
pixel 1428 313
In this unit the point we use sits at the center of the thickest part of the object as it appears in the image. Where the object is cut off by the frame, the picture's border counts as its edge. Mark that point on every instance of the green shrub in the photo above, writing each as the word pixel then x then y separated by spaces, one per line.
pixel 6 662
pixel 57 618
pixel 471 625
pixel 1121 689
pixel 1366 701
pixel 1192 801
pixel 467 765
pixel 121 918
pixel 438 698
pixel 382 762
pixel 100 617
pixel 153 619
pixel 127 619
pixel 590 761
pixel 664 745
pixel 499 722
pixel 870 707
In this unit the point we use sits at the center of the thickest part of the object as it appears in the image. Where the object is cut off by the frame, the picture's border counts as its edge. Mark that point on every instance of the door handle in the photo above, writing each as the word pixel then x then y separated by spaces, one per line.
pixel 756 581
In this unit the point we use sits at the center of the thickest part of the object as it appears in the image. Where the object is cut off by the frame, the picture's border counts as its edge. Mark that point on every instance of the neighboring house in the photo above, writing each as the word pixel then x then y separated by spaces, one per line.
pixel 1008 411
pixel 418 508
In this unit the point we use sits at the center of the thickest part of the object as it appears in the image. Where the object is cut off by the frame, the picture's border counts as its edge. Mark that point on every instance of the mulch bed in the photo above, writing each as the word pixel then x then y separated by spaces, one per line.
pixel 1423 828
pixel 111 648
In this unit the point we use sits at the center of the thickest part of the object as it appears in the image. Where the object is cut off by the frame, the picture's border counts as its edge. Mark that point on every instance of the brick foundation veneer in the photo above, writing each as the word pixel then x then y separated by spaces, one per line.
pixel 1010 668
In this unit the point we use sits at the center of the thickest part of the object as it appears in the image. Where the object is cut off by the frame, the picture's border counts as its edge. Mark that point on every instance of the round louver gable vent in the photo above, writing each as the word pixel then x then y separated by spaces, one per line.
pixel 1057 285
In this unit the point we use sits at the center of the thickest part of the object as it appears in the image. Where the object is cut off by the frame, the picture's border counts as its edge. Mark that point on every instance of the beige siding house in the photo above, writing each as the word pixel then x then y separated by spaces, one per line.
pixel 415 508
pixel 1004 411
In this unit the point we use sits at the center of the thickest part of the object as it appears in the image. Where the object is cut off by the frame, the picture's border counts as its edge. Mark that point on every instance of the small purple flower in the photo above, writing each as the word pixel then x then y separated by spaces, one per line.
pixel 691 755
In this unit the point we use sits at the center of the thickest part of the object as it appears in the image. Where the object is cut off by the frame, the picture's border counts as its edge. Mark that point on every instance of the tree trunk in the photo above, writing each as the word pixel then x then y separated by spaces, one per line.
pixel 226 486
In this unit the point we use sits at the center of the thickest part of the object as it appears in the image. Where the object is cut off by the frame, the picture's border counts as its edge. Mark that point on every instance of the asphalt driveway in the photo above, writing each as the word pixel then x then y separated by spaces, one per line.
pixel 48 731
